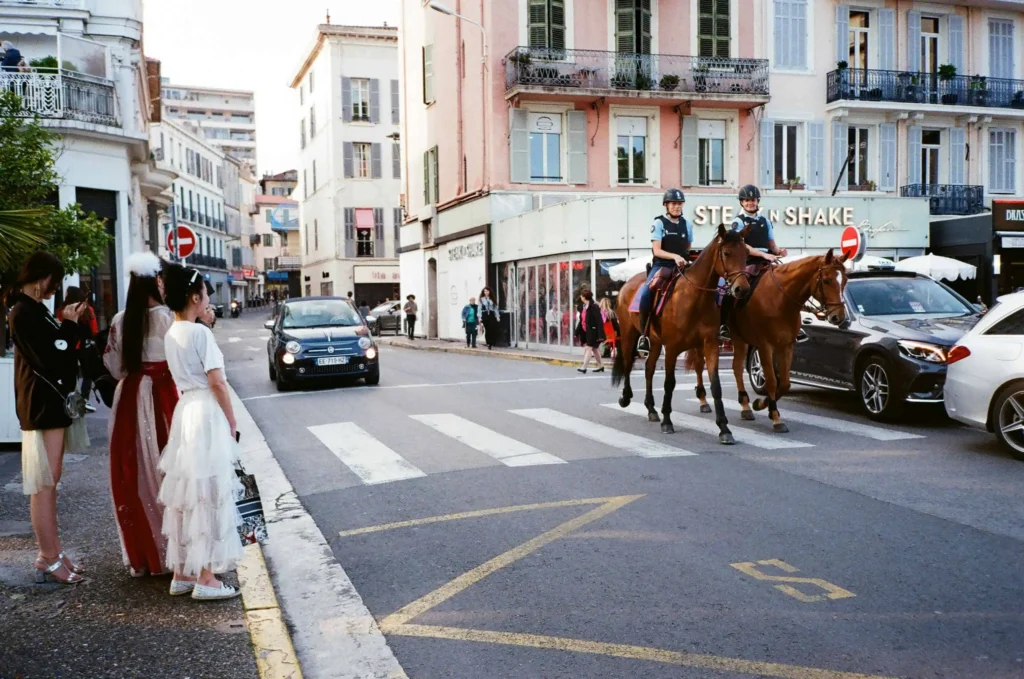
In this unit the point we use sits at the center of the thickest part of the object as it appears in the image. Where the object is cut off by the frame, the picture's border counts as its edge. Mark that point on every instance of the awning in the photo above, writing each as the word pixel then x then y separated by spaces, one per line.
pixel 364 218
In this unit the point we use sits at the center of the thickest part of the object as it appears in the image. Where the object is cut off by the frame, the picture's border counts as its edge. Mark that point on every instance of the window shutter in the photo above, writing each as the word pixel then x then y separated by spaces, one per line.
pixel 913 42
pixel 436 170
pixel 691 152
pixel 887 157
pixel 624 28
pixel 1011 160
pixel 396 215
pixel 783 36
pixel 374 100
pixel 842 33
pixel 346 99
pixel 428 74
pixel 713 28
pixel 956 42
pixel 887 39
pixel 645 26
pixel 519 147
pixel 396 161
pixel 798 24
pixel 348 159
pixel 375 163
pixel 396 104
pixel 538 24
pixel 577 144
pixel 1000 48
pixel 426 178
pixel 815 155
pixel 557 25
pixel 378 232
pixel 768 153
pixel 350 232
pixel 914 155
pixel 957 152
pixel 839 153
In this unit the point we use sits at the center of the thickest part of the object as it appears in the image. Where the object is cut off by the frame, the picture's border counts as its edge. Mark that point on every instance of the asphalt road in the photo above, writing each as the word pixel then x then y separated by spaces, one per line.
pixel 842 547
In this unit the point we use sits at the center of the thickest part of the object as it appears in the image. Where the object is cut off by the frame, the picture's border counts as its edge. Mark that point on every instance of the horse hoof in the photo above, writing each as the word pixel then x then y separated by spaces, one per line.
pixel 780 428
pixel 623 402
pixel 667 428
pixel 653 417
pixel 726 439
pixel 705 408
pixel 747 415
pixel 759 404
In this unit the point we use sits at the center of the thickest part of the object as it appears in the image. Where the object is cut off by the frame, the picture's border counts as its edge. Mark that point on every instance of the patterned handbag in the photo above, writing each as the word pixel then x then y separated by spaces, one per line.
pixel 254 525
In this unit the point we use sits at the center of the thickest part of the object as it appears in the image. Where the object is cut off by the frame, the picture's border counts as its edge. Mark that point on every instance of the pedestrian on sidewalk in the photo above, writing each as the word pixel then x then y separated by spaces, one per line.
pixel 364 309
pixel 410 315
pixel 89 328
pixel 142 411
pixel 590 331
pixel 200 517
pixel 45 375
pixel 611 327
pixel 471 322
pixel 489 317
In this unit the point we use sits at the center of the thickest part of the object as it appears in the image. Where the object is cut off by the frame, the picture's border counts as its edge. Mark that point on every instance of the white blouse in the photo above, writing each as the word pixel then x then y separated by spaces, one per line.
pixel 192 352
pixel 160 320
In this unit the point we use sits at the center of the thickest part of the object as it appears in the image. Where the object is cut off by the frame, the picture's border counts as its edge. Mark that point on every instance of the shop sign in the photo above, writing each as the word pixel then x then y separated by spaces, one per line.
pixel 790 216
pixel 376 274
pixel 470 251
pixel 1013 241
pixel 1008 215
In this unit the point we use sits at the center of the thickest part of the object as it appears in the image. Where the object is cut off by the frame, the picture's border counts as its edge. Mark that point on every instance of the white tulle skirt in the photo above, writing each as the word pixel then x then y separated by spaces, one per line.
pixel 35 466
pixel 200 518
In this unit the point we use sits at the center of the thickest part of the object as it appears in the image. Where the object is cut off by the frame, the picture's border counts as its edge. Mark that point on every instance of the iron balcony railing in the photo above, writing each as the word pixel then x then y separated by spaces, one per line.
pixel 288 263
pixel 595 69
pixel 61 4
pixel 948 199
pixel 924 88
pixel 207 261
pixel 60 94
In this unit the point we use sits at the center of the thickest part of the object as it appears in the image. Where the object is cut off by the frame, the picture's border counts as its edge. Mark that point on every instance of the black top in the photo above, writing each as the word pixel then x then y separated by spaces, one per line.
pixel 594 334
pixel 45 349
pixel 757 236
pixel 675 239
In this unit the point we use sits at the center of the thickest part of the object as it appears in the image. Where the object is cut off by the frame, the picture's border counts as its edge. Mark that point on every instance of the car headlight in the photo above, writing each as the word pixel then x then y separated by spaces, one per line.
pixel 922 351
pixel 293 347
pixel 365 342
pixel 371 353
pixel 288 359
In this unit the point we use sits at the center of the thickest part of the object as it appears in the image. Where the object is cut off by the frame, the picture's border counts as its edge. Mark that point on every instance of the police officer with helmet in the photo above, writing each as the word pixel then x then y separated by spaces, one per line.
pixel 671 237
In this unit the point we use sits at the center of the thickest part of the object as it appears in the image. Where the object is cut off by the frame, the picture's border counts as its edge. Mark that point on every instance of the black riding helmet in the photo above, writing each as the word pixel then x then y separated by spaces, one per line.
pixel 750 192
pixel 673 196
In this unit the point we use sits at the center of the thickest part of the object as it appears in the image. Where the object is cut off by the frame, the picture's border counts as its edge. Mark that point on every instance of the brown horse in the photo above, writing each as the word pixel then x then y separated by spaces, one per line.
pixel 770 322
pixel 690 320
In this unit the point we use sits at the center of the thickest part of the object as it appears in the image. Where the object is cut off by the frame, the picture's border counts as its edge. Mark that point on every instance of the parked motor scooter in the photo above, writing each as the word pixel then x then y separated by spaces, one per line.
pixel 236 309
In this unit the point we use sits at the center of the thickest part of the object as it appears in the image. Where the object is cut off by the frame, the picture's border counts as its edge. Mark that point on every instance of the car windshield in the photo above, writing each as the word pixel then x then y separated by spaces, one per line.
pixel 383 308
pixel 904 297
pixel 318 313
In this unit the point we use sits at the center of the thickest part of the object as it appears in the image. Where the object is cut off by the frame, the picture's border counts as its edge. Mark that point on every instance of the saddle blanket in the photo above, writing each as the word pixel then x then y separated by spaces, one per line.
pixel 660 286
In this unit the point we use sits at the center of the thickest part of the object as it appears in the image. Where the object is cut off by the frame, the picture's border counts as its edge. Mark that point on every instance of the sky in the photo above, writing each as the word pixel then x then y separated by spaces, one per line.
pixel 253 45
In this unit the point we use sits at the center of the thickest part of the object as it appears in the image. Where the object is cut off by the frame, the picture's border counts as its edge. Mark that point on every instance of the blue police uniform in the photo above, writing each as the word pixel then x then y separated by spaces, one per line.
pixel 761 232
pixel 675 238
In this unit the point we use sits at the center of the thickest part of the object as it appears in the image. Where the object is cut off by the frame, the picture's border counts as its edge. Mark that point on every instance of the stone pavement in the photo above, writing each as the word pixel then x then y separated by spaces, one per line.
pixel 513 353
pixel 111 625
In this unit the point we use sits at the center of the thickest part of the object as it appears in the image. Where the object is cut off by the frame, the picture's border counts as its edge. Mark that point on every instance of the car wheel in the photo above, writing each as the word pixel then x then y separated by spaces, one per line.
pixel 755 373
pixel 880 395
pixel 1008 418
pixel 282 384
pixel 272 370
pixel 373 379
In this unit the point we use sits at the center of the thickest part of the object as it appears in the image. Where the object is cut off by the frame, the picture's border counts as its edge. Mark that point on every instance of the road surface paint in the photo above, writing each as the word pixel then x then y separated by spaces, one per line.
pixel 368 458
pixel 637 445
pixel 275 656
pixel 506 450
pixel 426 385
pixel 832 591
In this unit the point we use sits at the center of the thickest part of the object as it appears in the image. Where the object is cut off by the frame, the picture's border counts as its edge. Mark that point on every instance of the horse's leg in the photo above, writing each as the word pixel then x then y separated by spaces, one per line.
pixel 649 368
pixel 771 384
pixel 670 385
pixel 623 364
pixel 785 358
pixel 698 367
pixel 739 358
pixel 711 356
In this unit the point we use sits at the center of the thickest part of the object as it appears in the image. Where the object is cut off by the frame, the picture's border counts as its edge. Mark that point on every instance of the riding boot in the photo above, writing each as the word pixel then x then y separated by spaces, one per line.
pixel 643 345
pixel 802 336
pixel 726 310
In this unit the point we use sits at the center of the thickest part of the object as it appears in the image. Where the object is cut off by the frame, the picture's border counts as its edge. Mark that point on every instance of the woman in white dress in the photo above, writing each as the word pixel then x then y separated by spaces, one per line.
pixel 200 517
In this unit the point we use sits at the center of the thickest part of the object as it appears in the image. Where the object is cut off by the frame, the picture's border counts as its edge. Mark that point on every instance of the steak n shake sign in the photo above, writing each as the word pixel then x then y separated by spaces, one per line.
pixel 790 216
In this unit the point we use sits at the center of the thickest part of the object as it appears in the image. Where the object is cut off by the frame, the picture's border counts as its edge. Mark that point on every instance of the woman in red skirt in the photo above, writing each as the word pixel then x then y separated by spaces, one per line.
pixel 143 406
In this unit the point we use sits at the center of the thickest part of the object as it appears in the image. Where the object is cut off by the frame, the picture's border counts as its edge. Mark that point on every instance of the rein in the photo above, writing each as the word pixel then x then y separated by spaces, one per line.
pixel 817 292
pixel 729 278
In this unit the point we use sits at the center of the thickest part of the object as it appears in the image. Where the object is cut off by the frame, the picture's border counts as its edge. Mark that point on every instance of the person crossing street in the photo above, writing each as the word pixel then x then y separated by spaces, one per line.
pixel 671 237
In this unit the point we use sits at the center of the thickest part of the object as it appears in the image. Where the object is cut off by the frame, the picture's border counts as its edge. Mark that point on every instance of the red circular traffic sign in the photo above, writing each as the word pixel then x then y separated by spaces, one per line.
pixel 852 243
pixel 186 241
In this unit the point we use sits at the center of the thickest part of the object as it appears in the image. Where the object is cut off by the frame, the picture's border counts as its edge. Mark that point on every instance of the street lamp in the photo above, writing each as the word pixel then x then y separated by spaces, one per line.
pixel 444 9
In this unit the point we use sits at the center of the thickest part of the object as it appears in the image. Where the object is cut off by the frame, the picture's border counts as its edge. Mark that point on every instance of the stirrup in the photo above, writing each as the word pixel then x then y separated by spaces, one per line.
pixel 643 347
pixel 723 334
pixel 802 336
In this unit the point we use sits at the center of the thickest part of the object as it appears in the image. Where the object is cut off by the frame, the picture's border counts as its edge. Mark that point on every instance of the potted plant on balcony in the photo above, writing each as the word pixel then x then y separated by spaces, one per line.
pixel 668 83
pixel 622 81
pixel 1018 99
pixel 521 62
pixel 946 74
pixel 700 77
pixel 866 186
pixel 47 64
pixel 643 82
pixel 978 90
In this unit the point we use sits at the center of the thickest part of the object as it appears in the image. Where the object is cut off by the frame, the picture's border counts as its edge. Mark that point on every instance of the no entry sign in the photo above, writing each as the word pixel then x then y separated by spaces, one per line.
pixel 852 243
pixel 186 241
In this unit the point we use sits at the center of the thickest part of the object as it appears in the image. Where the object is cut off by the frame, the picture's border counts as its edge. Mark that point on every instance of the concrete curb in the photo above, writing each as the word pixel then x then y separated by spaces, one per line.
pixel 271 643
pixel 514 356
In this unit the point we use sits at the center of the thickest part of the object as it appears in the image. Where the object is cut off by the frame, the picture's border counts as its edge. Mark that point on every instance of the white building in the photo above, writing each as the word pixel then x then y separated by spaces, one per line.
pixel 227 118
pixel 275 221
pixel 350 171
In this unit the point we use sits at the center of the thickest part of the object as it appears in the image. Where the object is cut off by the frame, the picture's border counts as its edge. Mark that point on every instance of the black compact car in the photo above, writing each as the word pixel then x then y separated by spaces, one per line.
pixel 320 337
pixel 892 349
pixel 387 316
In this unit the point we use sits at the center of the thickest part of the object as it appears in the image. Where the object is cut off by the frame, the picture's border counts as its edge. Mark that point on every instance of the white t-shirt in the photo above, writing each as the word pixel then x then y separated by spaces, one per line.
pixel 192 352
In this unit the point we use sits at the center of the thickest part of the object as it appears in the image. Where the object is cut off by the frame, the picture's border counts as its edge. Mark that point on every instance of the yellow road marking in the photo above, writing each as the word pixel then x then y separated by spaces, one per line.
pixel 447 591
pixel 681 658
pixel 271 643
pixel 476 513
pixel 833 591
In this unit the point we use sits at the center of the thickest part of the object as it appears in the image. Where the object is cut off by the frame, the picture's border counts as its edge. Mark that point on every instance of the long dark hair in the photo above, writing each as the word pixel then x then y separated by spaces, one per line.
pixel 135 323
pixel 38 267
pixel 180 283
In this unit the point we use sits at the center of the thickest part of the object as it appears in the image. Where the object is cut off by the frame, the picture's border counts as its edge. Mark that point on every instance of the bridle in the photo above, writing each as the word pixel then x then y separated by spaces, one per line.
pixel 729 278
pixel 817 291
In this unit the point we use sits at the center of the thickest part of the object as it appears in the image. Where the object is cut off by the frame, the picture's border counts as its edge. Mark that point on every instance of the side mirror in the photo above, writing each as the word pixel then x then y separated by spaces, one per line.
pixel 269 325
pixel 371 319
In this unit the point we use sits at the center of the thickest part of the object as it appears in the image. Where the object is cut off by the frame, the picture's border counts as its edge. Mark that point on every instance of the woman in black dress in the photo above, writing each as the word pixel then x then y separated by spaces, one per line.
pixel 45 376
pixel 590 331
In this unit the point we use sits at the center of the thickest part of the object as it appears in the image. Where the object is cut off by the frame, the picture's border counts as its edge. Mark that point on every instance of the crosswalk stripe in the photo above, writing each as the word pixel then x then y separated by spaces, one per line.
pixel 708 426
pixel 368 458
pixel 506 450
pixel 836 424
pixel 637 445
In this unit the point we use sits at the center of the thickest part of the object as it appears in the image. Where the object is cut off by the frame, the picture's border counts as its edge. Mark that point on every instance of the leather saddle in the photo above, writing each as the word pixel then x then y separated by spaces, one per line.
pixel 661 285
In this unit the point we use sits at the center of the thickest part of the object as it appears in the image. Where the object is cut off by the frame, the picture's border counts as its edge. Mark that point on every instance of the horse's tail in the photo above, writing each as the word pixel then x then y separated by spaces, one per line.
pixel 619 365
pixel 690 361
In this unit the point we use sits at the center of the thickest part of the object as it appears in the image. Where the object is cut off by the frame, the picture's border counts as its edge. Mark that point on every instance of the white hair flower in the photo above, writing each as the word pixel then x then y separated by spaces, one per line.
pixel 144 264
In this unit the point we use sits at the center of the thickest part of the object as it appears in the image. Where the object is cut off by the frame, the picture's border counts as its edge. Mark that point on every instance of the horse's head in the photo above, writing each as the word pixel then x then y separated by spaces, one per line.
pixel 731 262
pixel 829 287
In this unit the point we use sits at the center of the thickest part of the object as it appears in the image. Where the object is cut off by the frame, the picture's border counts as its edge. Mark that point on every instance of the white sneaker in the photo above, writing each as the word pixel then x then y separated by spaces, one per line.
pixel 179 587
pixel 204 593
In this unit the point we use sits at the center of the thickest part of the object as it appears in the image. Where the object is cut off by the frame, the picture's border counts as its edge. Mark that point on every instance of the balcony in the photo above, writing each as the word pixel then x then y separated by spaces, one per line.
pixel 288 263
pixel 58 4
pixel 901 87
pixel 646 76
pixel 948 199
pixel 62 95
pixel 207 261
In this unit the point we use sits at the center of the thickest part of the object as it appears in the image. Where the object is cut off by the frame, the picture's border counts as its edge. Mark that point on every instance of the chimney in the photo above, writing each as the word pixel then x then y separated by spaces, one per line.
pixel 328 17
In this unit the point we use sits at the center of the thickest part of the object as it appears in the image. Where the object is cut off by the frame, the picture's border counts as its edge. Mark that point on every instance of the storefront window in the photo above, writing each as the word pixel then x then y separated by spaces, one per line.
pixel 565 305
pixel 531 298
pixel 521 307
pixel 551 317
pixel 580 282
pixel 542 303
pixel 604 285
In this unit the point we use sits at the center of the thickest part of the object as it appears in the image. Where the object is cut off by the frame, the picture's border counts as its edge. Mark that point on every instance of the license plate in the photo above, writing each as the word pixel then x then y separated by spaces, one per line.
pixel 334 360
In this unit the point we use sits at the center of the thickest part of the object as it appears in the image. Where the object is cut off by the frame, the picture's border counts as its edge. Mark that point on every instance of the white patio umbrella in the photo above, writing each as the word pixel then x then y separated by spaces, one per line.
pixel 945 268
pixel 869 262
pixel 631 267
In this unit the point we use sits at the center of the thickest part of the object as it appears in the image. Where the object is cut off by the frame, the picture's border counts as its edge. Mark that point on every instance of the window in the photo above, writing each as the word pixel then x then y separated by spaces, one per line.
pixel 397 215
pixel 857 174
pixel 396 102
pixel 306 239
pixel 361 156
pixel 1002 161
pixel 316 235
pixel 547 24
pixel 305 186
pixel 633 26
pixel 713 28
pixel 860 32
pixel 268 263
pixel 930 147
pixel 396 160
pixel 309 290
pixel 791 34
pixel 711 152
pixel 1000 48
pixel 632 150
pixel 786 153
pixel 430 180
pixel 268 241
pixel 327 289
pixel 929 45
pixel 1011 325
pixel 428 74
pixel 312 122
pixel 545 147
pixel 364 232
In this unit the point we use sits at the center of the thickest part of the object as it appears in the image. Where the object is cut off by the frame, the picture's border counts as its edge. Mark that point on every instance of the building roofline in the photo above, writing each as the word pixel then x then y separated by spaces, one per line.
pixel 198 88
pixel 385 33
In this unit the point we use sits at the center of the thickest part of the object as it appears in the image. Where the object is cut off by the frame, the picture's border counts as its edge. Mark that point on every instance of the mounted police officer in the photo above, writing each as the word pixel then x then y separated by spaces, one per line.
pixel 671 237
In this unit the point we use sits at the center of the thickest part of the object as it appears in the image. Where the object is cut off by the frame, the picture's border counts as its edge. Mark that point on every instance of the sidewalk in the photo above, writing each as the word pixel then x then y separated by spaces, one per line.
pixel 111 625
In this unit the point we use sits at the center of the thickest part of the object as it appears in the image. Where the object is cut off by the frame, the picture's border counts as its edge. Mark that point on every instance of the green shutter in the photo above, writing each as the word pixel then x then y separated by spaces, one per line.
pixel 437 173
pixel 645 29
pixel 713 28
pixel 426 177
pixel 624 29
pixel 539 24
pixel 557 12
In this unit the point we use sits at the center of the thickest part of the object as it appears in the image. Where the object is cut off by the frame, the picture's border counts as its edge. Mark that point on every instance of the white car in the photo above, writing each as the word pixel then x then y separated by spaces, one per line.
pixel 985 374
